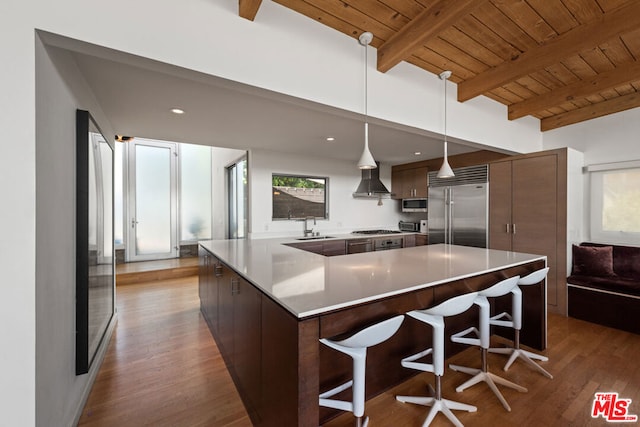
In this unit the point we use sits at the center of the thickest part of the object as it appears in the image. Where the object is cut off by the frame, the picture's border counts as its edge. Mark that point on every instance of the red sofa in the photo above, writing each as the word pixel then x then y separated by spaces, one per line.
pixel 604 285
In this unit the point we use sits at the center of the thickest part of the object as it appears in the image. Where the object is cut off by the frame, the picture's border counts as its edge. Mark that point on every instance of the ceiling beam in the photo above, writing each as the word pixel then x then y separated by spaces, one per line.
pixel 248 9
pixel 626 73
pixel 428 24
pixel 614 105
pixel 586 36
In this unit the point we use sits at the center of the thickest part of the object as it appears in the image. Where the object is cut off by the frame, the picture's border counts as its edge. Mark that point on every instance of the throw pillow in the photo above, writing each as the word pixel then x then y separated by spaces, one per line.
pixel 593 261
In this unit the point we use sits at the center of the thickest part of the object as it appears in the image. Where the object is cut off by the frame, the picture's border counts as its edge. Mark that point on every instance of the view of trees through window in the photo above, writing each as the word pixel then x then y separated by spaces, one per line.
pixel 621 201
pixel 297 197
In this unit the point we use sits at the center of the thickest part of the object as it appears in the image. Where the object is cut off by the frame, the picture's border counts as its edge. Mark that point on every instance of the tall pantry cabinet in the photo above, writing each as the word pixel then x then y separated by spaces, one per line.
pixel 528 213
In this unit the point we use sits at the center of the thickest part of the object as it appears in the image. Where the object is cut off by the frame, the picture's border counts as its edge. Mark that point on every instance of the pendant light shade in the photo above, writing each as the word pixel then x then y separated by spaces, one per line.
pixel 445 170
pixel 366 159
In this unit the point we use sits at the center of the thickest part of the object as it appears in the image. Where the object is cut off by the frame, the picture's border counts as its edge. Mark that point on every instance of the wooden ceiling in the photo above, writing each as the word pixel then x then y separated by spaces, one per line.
pixel 562 61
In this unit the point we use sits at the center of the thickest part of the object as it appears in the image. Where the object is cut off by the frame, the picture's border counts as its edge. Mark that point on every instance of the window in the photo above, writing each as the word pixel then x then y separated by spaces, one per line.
pixel 238 199
pixel 296 197
pixel 195 192
pixel 118 227
pixel 615 206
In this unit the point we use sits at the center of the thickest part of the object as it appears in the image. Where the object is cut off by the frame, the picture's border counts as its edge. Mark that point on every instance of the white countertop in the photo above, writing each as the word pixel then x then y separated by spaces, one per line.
pixel 308 284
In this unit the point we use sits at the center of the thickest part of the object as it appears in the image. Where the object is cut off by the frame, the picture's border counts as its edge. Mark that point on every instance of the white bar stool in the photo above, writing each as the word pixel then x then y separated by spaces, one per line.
pixel 435 317
pixel 514 321
pixel 482 338
pixel 356 347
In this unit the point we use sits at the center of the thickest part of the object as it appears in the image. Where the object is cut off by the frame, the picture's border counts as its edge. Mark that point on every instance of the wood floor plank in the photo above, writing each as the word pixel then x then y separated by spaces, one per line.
pixel 163 368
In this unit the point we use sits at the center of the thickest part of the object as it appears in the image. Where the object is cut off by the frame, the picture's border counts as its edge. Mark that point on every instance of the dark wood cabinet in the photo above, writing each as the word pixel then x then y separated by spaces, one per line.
pixel 208 287
pixel 527 213
pixel 408 241
pixel 408 177
pixel 334 247
pixel 422 239
pixel 203 263
pixel 408 183
pixel 246 339
pixel 226 282
pixel 323 247
pixel 232 308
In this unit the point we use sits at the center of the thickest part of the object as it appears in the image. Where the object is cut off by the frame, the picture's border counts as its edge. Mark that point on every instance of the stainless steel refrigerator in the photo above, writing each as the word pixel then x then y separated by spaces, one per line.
pixel 459 207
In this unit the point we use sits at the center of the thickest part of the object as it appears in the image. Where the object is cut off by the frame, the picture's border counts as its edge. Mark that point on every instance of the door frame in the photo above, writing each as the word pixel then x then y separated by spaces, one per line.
pixel 130 253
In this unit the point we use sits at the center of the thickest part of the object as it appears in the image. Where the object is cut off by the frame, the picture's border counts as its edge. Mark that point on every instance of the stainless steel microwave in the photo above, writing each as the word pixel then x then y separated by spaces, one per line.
pixel 414 205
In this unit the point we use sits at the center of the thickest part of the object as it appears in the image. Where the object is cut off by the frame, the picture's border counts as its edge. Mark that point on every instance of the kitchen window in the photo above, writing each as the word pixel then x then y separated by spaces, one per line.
pixel 296 197
pixel 615 205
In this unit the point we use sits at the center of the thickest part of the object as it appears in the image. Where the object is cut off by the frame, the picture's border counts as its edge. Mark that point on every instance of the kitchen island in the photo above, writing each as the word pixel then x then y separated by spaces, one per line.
pixel 267 304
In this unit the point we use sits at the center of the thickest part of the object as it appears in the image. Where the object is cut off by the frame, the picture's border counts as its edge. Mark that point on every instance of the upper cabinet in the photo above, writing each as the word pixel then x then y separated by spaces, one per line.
pixel 410 180
pixel 408 183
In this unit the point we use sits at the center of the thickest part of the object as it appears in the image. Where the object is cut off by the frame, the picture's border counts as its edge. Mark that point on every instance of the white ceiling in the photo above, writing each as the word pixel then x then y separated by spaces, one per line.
pixel 137 95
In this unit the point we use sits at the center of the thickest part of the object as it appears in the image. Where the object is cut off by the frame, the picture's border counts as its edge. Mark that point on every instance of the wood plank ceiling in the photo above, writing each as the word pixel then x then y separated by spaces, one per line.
pixel 561 61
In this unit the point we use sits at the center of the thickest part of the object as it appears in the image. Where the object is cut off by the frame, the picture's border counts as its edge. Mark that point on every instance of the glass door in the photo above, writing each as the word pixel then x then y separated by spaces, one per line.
pixel 238 199
pixel 153 187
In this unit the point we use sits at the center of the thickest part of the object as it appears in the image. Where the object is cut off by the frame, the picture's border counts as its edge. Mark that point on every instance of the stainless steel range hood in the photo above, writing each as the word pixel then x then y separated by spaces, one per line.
pixel 370 185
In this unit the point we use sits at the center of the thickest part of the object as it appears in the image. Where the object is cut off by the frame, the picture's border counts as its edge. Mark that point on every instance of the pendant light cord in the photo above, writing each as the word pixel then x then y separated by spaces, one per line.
pixel 366 82
pixel 366 160
pixel 445 111
pixel 445 170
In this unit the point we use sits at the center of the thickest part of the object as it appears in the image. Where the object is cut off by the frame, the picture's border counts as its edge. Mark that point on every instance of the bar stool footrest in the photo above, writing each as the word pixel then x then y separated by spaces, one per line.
pixel 462 339
pixel 410 361
pixel 337 390
pixel 497 320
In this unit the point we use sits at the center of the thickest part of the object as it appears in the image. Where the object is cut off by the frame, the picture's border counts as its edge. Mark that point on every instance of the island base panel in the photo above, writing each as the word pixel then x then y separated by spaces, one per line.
pixel 292 366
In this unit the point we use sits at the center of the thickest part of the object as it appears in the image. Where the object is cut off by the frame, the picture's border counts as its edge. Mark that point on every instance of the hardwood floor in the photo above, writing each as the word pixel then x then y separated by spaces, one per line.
pixel 163 368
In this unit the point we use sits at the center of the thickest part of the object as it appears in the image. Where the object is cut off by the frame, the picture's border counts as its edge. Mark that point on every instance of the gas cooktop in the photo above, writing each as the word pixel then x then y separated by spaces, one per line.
pixel 376 232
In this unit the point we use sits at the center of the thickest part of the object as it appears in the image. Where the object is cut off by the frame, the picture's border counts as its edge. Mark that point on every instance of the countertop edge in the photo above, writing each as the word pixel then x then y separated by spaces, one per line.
pixel 302 315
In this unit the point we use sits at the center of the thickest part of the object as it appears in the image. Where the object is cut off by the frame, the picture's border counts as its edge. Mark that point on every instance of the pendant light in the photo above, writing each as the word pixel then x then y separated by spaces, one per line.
pixel 445 170
pixel 366 160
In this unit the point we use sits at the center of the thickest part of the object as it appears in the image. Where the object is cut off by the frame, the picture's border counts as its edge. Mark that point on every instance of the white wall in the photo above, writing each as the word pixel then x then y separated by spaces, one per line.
pixel 286 52
pixel 345 213
pixel 59 392
pixel 18 225
pixel 608 139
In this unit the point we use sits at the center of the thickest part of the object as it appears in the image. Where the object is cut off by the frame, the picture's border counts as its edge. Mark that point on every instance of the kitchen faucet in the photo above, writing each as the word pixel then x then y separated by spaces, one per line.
pixel 308 231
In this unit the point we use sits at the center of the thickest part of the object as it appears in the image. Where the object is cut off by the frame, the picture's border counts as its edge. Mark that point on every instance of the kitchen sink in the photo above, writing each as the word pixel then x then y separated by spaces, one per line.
pixel 315 238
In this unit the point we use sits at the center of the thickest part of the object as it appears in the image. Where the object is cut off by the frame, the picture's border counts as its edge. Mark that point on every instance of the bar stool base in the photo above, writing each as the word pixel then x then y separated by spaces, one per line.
pixel 438 405
pixel 525 355
pixel 491 379
pixel 362 421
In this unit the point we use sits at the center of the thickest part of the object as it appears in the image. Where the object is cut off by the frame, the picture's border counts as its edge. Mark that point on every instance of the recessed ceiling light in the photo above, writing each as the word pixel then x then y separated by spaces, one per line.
pixel 177 111
pixel 417 153
pixel 330 139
